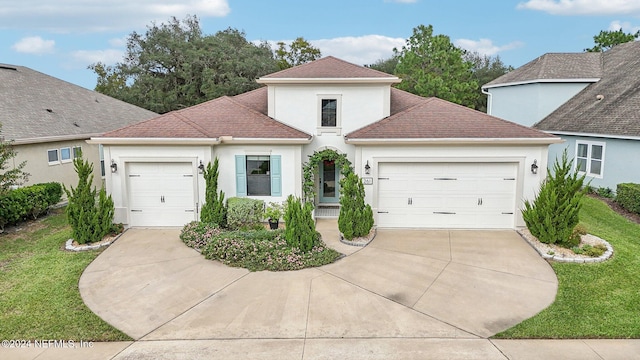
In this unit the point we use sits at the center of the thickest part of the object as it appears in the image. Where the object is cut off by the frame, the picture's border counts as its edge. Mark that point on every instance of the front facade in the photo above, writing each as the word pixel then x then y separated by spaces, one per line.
pixel 424 162
pixel 590 100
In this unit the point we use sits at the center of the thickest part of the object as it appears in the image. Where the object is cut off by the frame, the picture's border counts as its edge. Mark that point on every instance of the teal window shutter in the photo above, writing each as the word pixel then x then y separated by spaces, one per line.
pixel 241 176
pixel 276 175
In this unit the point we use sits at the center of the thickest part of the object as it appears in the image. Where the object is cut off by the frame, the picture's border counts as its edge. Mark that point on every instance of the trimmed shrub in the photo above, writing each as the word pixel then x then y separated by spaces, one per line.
pixel 197 234
pixel 89 221
pixel 214 210
pixel 356 217
pixel 554 214
pixel 300 231
pixel 28 202
pixel 628 196
pixel 244 213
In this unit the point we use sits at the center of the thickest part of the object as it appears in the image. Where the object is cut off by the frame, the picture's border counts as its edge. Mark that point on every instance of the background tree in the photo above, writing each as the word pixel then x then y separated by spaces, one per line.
pixel 9 177
pixel 605 40
pixel 430 65
pixel 174 65
pixel 299 52
pixel 385 65
pixel 485 69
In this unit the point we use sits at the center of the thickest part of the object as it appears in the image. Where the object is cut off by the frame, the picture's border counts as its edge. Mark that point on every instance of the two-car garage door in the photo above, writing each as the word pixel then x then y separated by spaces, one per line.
pixel 161 194
pixel 447 195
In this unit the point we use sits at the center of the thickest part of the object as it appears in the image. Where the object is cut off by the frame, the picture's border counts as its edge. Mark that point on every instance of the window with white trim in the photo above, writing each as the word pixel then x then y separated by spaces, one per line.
pixel 65 154
pixel 77 152
pixel 101 150
pixel 258 175
pixel 590 158
pixel 53 157
pixel 329 119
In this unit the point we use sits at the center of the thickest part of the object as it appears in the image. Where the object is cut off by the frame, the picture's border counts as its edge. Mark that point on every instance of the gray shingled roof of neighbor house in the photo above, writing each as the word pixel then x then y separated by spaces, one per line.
pixel 610 106
pixel 585 66
pixel 35 107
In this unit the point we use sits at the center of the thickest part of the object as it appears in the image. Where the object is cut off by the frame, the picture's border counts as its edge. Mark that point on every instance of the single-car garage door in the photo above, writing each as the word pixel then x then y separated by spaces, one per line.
pixel 447 195
pixel 161 194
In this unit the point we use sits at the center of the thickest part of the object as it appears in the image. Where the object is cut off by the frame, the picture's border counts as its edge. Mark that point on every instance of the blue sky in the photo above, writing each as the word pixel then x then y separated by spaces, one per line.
pixel 61 38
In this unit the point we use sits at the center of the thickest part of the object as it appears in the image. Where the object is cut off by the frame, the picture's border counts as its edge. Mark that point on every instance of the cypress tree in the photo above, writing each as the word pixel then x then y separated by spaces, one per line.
pixel 356 217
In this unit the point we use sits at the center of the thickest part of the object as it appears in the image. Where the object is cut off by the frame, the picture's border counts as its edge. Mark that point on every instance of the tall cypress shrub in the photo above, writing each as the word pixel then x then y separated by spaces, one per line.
pixel 553 215
pixel 300 230
pixel 356 217
pixel 213 210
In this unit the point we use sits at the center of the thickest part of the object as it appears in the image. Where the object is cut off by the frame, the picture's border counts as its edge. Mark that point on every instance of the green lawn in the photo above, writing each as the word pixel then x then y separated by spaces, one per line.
pixel 39 297
pixel 594 300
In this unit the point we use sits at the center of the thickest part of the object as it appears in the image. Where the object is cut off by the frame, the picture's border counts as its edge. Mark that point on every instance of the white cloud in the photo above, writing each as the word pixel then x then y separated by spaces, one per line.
pixel 361 50
pixel 118 42
pixel 105 15
pixel 34 45
pixel 583 7
pixel 624 26
pixel 108 57
pixel 485 46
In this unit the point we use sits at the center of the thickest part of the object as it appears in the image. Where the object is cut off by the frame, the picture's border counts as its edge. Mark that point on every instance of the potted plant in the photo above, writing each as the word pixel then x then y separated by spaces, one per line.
pixel 273 214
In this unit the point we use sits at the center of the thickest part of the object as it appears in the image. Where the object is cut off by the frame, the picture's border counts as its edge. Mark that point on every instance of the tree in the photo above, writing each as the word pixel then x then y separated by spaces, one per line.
pixel 385 65
pixel 300 231
pixel 300 52
pixel 89 221
pixel 213 210
pixel 10 177
pixel 485 69
pixel 356 217
pixel 430 65
pixel 174 65
pixel 605 40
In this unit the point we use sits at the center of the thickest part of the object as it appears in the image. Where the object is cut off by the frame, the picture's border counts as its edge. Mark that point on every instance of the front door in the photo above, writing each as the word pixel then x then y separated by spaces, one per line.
pixel 329 182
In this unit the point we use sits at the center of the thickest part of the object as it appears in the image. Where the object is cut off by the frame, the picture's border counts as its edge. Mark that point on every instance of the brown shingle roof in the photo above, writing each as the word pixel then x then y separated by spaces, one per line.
pixel 328 68
pixel 255 99
pixel 223 116
pixel 434 118
pixel 34 105
pixel 618 111
pixel 555 66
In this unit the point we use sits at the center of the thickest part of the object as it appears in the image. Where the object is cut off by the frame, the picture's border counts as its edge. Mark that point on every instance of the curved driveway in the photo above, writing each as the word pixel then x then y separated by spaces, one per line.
pixel 406 285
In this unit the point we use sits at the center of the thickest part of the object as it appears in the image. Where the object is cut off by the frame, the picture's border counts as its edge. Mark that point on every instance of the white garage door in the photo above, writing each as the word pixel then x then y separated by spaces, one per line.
pixel 161 194
pixel 447 195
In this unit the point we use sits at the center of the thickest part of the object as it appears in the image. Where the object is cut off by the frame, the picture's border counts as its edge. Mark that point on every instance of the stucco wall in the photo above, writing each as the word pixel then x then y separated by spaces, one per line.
pixel 528 183
pixel 529 103
pixel 62 172
pixel 621 159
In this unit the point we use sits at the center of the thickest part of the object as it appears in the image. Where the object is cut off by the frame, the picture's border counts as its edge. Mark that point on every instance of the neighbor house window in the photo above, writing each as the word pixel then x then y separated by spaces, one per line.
pixel 65 154
pixel 590 158
pixel 77 152
pixel 258 175
pixel 54 159
pixel 101 151
pixel 329 112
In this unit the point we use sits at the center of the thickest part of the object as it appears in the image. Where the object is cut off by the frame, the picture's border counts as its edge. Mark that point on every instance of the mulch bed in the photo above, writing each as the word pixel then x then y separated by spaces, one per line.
pixel 618 209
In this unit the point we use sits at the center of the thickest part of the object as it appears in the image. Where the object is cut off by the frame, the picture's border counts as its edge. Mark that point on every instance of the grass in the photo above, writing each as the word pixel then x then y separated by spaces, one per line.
pixel 594 300
pixel 39 296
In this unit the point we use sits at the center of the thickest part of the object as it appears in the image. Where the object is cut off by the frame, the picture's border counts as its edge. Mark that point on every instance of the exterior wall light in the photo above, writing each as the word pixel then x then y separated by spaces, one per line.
pixel 201 168
pixel 534 167
pixel 113 166
pixel 367 168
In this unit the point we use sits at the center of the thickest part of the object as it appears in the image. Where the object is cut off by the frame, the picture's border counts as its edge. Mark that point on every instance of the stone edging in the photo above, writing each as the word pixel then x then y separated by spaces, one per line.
pixel 607 254
pixel 359 243
pixel 84 247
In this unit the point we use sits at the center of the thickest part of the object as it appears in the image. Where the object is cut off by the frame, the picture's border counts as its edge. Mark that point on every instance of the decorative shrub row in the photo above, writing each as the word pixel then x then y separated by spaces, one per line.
pixel 28 202
pixel 628 196
pixel 244 213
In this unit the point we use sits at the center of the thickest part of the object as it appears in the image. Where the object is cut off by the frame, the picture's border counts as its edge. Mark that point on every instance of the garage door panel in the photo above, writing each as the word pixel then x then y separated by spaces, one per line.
pixel 456 195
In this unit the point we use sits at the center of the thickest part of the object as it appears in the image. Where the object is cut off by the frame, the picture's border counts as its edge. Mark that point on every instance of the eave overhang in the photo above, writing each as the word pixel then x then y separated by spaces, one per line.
pixel 458 141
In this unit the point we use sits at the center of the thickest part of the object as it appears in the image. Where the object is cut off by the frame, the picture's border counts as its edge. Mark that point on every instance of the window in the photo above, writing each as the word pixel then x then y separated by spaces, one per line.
pixel 53 157
pixel 65 154
pixel 590 158
pixel 258 175
pixel 101 150
pixel 77 152
pixel 329 112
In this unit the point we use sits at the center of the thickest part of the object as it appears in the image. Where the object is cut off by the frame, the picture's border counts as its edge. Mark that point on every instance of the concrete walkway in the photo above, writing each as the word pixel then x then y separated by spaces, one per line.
pixel 408 295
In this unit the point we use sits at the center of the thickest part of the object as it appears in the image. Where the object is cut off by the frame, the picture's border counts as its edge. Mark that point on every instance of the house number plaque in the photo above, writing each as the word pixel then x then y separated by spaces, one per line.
pixel 367 181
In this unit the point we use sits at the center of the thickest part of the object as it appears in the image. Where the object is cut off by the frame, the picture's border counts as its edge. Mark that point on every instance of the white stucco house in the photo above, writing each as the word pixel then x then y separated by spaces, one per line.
pixel 590 100
pixel 425 162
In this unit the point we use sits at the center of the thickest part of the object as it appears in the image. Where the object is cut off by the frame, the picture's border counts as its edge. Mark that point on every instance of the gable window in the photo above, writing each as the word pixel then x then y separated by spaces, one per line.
pixel 329 112
pixel 258 175
pixel 590 158
pixel 65 154
pixel 53 157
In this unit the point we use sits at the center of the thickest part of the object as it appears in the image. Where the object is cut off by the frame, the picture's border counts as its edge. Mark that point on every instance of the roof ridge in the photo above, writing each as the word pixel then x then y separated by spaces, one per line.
pixel 188 122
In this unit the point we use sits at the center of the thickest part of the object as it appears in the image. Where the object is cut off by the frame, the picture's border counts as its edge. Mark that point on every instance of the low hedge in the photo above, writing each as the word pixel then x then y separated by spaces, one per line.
pixel 28 202
pixel 244 213
pixel 628 196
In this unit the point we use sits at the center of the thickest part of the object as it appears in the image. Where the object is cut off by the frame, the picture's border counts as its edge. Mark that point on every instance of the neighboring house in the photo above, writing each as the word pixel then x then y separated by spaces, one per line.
pixel 49 121
pixel 425 162
pixel 590 100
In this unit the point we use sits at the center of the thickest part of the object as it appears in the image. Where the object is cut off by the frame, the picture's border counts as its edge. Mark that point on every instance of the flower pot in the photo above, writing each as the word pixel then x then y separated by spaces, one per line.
pixel 273 224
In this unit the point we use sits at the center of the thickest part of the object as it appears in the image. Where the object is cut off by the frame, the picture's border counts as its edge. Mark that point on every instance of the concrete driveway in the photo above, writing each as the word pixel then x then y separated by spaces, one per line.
pixel 407 287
